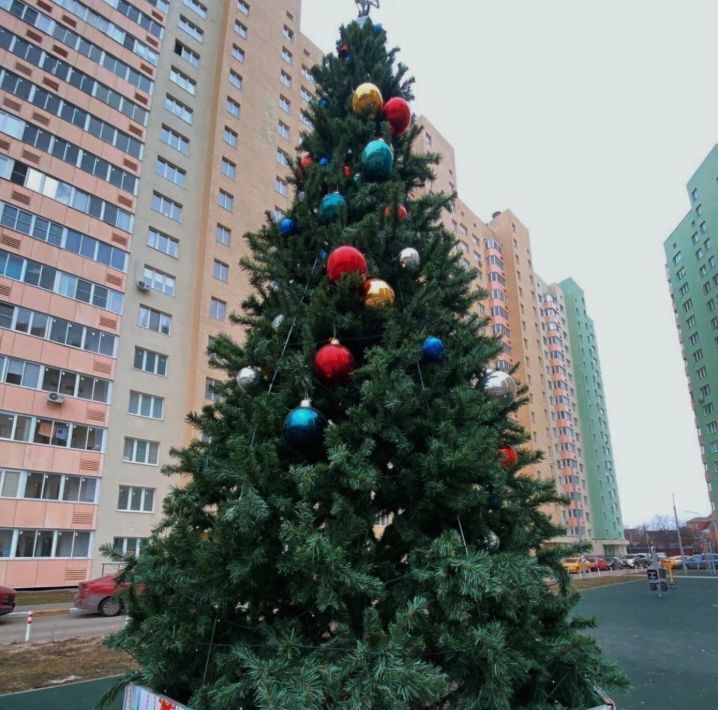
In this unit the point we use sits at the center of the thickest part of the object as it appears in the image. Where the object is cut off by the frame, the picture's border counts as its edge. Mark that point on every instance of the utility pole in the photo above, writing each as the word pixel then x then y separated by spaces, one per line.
pixel 680 541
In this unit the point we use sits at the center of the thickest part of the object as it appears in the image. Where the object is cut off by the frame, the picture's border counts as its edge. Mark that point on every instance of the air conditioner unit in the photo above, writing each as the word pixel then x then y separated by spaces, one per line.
pixel 55 398
pixel 142 285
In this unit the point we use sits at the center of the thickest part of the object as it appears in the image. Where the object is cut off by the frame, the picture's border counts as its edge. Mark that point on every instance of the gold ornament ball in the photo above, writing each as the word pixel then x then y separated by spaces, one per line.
pixel 378 294
pixel 367 101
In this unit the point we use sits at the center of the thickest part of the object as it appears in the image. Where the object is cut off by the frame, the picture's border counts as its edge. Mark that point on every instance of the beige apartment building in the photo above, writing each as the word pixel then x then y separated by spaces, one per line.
pixel 139 141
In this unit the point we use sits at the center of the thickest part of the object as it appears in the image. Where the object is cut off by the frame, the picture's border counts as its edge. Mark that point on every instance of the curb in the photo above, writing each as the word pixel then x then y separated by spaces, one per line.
pixel 43 612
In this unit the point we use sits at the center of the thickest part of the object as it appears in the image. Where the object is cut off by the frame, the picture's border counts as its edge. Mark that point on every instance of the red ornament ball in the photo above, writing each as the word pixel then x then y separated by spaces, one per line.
pixel 345 260
pixel 397 113
pixel 305 162
pixel 401 213
pixel 509 456
pixel 347 171
pixel 333 363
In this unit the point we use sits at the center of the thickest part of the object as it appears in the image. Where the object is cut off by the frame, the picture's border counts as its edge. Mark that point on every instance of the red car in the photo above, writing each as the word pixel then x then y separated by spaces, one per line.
pixel 7 600
pixel 100 595
pixel 599 564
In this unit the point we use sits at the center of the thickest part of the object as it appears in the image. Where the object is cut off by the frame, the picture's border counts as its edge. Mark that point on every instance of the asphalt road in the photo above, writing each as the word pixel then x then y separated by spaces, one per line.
pixel 54 628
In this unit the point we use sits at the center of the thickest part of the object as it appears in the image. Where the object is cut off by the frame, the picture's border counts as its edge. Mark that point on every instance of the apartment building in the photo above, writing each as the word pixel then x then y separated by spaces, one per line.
pixel 139 140
pixel 692 272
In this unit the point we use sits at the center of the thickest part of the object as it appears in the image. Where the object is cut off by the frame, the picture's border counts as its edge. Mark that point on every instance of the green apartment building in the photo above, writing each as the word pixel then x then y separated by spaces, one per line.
pixel 692 270
pixel 600 472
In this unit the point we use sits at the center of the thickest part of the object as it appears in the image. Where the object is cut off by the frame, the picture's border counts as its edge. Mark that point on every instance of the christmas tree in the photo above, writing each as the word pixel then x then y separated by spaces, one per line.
pixel 377 547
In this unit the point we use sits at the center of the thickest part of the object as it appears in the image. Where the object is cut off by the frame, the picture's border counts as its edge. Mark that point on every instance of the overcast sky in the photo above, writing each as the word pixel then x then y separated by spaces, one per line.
pixel 587 120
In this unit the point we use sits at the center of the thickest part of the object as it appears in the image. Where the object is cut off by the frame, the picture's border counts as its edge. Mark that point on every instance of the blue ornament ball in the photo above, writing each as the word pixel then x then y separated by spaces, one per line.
pixel 330 207
pixel 377 160
pixel 324 102
pixel 323 254
pixel 324 162
pixel 432 349
pixel 378 27
pixel 287 227
pixel 304 426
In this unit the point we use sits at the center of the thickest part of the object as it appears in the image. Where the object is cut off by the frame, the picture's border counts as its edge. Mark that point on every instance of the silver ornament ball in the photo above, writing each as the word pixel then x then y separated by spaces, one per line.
pixel 409 258
pixel 248 379
pixel 501 386
pixel 492 541
pixel 277 321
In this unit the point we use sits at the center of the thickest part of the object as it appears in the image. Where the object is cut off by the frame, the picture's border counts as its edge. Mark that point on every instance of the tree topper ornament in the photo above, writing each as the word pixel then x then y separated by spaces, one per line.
pixel 365 6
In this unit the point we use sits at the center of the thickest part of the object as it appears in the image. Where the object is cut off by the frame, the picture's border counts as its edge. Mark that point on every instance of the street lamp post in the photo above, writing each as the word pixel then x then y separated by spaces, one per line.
pixel 680 540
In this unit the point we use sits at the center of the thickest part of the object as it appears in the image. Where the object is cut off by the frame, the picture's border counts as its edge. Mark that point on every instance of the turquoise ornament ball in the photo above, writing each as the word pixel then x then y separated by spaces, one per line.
pixel 377 160
pixel 330 207
pixel 304 426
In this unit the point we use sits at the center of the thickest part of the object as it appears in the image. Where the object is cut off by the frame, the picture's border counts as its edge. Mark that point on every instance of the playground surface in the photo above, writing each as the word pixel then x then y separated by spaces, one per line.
pixel 668 646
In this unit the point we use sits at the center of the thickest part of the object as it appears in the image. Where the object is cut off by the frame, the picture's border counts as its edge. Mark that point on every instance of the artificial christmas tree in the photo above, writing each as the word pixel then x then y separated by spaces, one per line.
pixel 370 548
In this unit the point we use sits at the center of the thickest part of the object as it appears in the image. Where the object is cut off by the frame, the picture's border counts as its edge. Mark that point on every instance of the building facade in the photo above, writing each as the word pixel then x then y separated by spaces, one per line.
pixel 692 272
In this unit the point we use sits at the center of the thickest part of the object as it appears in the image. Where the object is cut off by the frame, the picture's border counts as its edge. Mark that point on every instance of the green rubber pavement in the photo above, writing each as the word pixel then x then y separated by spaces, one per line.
pixel 668 647
pixel 75 696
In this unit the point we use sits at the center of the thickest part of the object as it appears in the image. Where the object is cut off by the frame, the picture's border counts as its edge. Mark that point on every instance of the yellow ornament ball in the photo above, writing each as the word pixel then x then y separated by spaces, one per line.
pixel 377 294
pixel 367 101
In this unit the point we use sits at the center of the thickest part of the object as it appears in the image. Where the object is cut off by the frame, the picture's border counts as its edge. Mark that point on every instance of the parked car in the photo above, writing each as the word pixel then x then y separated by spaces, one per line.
pixel 699 561
pixel 636 561
pixel 7 600
pixel 598 564
pixel 573 565
pixel 615 563
pixel 675 562
pixel 101 595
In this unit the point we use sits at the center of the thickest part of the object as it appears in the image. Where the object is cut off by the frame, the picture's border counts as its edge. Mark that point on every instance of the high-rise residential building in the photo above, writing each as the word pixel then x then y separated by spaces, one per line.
pixel 139 140
pixel 542 327
pixel 692 273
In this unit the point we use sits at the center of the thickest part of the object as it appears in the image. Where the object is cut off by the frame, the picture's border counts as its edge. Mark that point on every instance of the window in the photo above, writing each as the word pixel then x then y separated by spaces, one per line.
pixel 197 33
pixel 170 172
pixel 694 338
pixel 703 228
pixel 285 79
pixel 210 389
pixel 62 237
pixel 228 168
pixel 288 33
pixel 713 427
pixel 46 543
pixel 217 309
pixel 698 355
pixel 683 290
pixel 152 319
pixel 141 451
pixel 306 96
pixel 285 104
pixel 135 499
pixel 238 53
pixel 36 430
pixel 146 405
pixel 233 107
pixel 694 194
pixel 282 158
pixel 687 305
pixel 699 253
pixel 307 74
pixel 159 281
pixel 186 53
pixel 60 282
pixel 179 109
pixel 677 257
pixel 149 361
pixel 128 545
pixel 47 486
pixel 223 235
pixel 56 330
pixel 162 242
pixel 225 200
pixel 230 137
pixel 283 130
pixel 197 7
pixel 691 322
pixel 281 186
pixel 220 270
pixel 705 390
pixel 183 81
pixel 243 7
pixel 169 208
pixel 240 29
pixel 175 140
pixel 235 79
pixel 681 273
pixel 287 55
pixel 701 373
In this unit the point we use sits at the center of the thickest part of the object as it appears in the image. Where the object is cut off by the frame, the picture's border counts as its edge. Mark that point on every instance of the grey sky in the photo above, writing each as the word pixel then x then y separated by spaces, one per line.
pixel 586 119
